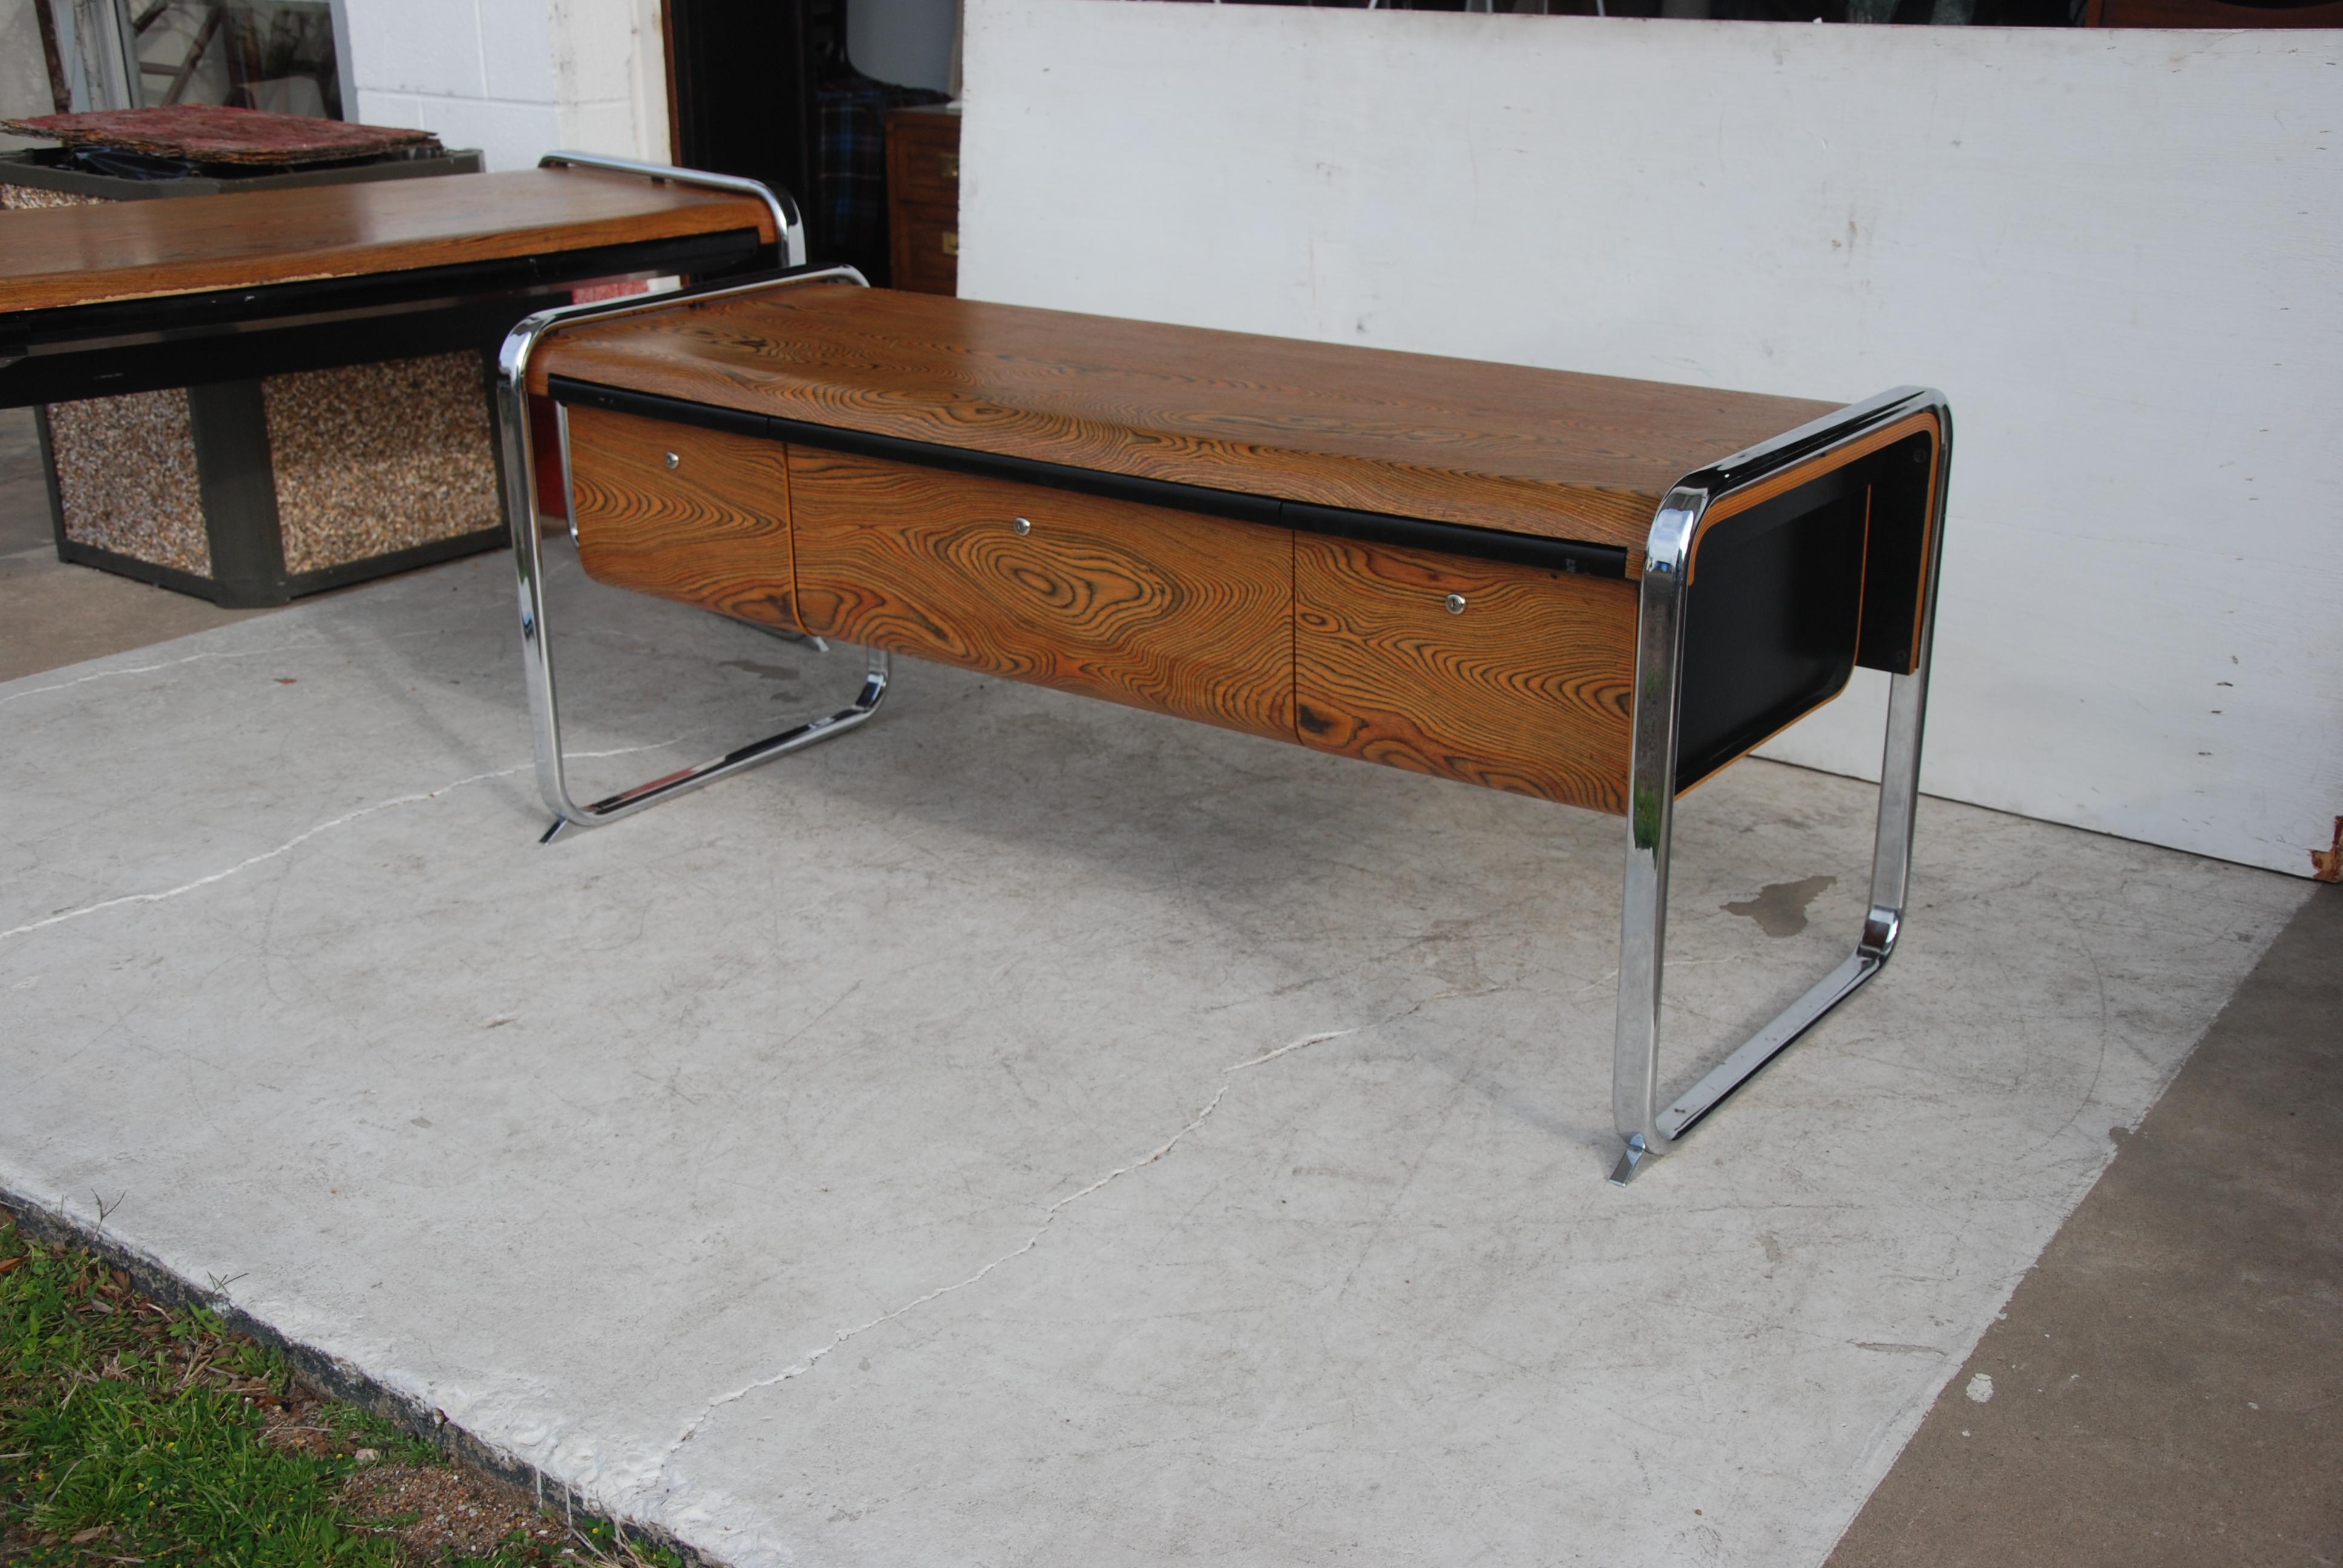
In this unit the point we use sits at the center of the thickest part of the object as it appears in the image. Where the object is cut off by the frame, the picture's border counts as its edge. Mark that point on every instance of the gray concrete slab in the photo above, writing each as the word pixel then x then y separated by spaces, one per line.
pixel 1029 1130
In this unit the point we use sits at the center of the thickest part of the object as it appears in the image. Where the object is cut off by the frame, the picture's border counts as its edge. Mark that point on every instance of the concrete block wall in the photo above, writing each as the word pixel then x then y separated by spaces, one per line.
pixel 515 78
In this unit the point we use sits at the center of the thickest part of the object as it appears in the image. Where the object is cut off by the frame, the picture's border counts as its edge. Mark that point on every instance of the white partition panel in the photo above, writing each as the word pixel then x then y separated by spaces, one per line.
pixel 2117 251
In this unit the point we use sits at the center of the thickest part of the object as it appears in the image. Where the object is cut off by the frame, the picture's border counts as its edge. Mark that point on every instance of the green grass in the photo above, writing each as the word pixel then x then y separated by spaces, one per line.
pixel 133 1432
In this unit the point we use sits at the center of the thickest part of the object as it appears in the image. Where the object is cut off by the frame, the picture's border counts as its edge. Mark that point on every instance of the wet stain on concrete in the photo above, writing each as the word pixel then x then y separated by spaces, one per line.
pixel 1780 910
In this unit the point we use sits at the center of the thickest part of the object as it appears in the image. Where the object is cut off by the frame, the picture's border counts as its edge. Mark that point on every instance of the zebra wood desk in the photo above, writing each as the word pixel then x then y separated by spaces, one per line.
pixel 1592 591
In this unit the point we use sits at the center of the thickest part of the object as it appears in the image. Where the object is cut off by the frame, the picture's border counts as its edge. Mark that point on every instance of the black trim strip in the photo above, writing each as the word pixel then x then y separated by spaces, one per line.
pixel 431 552
pixel 296 585
pixel 1455 539
pixel 1372 527
pixel 1235 504
pixel 649 405
pixel 75 553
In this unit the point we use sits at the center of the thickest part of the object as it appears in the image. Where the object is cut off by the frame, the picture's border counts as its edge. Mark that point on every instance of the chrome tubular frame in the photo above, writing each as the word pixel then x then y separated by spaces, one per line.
pixel 521 504
pixel 789 228
pixel 1648 1130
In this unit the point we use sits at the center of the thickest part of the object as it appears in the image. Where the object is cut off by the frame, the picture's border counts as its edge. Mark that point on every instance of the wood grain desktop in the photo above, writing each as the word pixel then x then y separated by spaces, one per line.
pixel 1497 447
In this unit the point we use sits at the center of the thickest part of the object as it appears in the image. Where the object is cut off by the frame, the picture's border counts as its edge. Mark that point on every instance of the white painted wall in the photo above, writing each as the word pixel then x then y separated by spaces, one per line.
pixel 2117 251
pixel 516 78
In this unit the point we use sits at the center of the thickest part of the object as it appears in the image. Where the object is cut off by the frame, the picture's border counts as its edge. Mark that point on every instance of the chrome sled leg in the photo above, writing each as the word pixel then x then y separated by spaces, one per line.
pixel 1648 1130
pixel 520 503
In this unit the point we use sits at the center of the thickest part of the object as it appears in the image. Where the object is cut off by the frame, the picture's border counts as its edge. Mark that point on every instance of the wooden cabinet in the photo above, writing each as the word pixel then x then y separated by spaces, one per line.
pixel 1165 610
pixel 923 199
pixel 689 513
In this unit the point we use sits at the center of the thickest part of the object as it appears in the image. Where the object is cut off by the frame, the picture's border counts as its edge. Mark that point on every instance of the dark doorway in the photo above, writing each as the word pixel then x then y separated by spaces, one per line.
pixel 742 81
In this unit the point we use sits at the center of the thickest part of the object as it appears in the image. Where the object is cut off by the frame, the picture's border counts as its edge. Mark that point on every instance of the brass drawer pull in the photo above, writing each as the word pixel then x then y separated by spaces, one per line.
pixel 949 163
pixel 952 242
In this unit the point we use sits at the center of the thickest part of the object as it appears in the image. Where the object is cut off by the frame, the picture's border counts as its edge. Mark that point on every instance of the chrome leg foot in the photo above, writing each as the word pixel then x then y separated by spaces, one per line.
pixel 1632 1159
pixel 547 837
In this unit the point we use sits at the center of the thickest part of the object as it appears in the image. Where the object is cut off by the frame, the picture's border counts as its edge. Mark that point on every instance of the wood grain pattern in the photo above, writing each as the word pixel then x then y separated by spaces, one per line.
pixel 1181 614
pixel 1528 690
pixel 142 249
pixel 1540 452
pixel 714 530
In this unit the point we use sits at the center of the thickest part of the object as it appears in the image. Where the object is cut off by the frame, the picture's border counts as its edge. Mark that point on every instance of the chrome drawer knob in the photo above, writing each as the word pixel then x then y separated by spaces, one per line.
pixel 1022 525
pixel 1456 604
pixel 673 461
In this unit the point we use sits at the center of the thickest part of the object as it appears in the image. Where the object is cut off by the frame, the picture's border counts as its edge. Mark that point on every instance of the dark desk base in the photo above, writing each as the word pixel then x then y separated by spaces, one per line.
pixel 375 470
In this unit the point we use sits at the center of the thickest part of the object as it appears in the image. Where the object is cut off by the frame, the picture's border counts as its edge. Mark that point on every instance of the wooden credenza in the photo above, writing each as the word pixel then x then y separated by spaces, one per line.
pixel 1588 590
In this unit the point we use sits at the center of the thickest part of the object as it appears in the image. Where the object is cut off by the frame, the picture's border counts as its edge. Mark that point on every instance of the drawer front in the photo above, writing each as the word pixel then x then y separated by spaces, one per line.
pixel 923 158
pixel 1527 690
pixel 711 529
pixel 1167 611
pixel 925 251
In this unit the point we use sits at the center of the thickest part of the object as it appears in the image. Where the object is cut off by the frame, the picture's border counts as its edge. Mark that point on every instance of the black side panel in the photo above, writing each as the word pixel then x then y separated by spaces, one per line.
pixel 1898 556
pixel 1771 619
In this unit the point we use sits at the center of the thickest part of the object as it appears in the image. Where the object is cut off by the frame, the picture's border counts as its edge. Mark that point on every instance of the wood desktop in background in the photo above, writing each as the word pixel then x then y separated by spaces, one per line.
pixel 254 393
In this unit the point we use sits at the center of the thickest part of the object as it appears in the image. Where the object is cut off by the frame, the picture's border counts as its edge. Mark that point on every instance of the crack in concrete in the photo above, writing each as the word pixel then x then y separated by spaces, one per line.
pixel 166 664
pixel 1049 1217
pixel 306 645
pixel 295 841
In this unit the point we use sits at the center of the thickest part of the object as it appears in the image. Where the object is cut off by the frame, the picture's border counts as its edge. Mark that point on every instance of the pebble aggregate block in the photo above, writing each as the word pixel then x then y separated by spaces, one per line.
pixel 368 459
pixel 126 478
pixel 896 1156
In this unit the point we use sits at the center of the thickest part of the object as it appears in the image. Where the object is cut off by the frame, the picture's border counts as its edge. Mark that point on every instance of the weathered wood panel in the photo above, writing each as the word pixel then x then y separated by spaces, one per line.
pixel 1183 614
pixel 712 530
pixel 1528 690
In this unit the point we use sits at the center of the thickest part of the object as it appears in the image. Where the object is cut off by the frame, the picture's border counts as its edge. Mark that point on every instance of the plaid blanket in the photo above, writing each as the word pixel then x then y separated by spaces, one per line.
pixel 849 216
